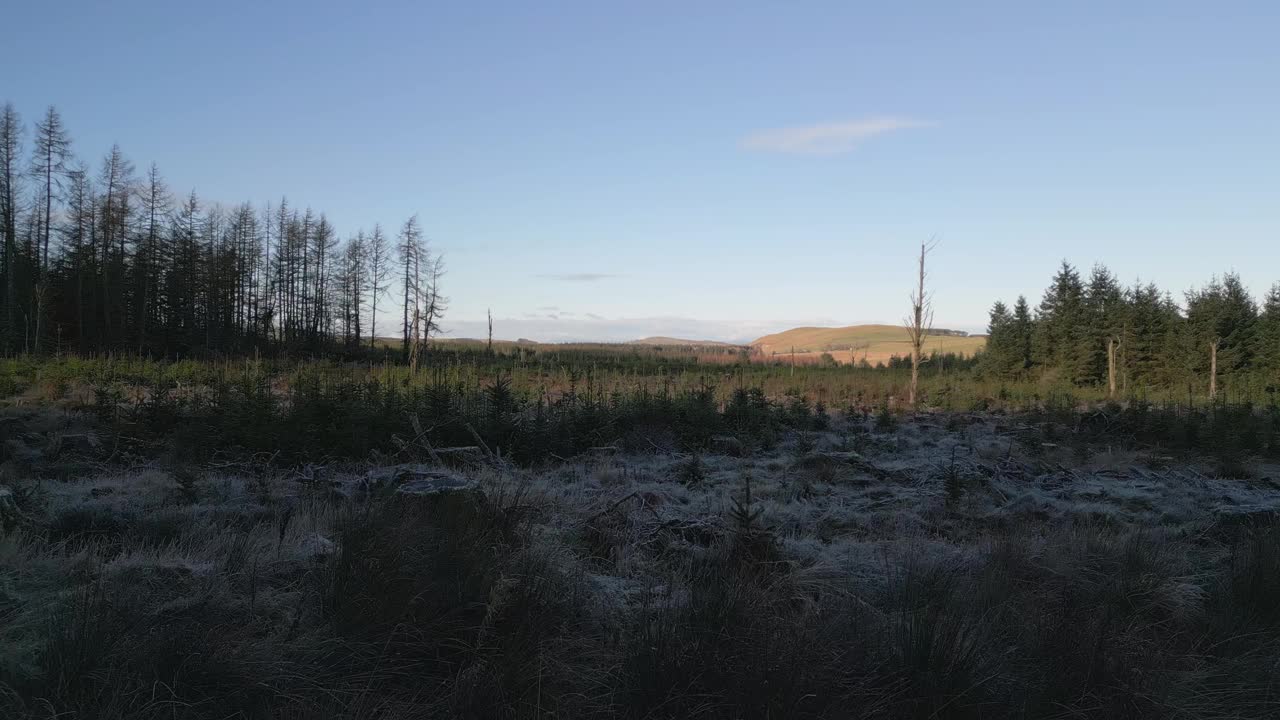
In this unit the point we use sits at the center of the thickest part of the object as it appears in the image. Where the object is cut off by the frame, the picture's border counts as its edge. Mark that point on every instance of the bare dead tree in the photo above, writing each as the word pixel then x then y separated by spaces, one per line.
pixel 10 151
pixel 919 322
pixel 415 349
pixel 1214 344
pixel 1111 366
pixel 490 313
pixel 434 304
pixel 379 267
pixel 410 251
pixel 49 166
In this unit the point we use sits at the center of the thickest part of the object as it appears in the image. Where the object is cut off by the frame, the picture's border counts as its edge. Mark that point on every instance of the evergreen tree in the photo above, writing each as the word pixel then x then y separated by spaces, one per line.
pixel 1268 337
pixel 1023 330
pixel 1149 334
pixel 1061 328
pixel 1000 356
pixel 1221 321
pixel 1104 318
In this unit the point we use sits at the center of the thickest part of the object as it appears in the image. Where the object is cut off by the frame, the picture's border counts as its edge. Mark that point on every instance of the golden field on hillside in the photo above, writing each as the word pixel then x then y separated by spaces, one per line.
pixel 855 343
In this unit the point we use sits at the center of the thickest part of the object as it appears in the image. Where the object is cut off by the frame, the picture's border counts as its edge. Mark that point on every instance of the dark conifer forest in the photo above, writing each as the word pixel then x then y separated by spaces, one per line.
pixel 1097 332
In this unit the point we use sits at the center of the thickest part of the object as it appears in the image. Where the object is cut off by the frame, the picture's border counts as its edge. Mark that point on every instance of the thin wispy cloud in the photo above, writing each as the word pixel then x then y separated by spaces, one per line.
pixel 828 138
pixel 549 312
pixel 578 277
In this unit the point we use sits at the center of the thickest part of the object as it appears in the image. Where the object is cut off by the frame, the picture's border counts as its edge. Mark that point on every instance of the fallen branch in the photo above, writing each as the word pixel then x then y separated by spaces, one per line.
pixel 421 438
pixel 612 507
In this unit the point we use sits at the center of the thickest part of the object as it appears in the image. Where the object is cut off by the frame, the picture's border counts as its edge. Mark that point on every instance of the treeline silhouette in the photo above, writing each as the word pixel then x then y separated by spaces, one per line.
pixel 1095 331
pixel 104 259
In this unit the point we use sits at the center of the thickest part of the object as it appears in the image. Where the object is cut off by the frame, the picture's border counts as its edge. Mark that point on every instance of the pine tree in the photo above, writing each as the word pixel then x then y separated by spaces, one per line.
pixel 1023 330
pixel 1000 356
pixel 1104 318
pixel 1267 351
pixel 1221 321
pixel 1061 327
pixel 1149 334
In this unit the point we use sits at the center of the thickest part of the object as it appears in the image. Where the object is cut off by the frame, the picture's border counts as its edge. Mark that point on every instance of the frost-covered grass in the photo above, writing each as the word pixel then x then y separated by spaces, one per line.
pixel 936 567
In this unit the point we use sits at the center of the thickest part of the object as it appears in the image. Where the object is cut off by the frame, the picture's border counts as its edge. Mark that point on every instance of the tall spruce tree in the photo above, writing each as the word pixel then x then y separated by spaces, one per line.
pixel 1104 316
pixel 1000 356
pixel 1267 339
pixel 1221 320
pixel 1150 332
pixel 1023 330
pixel 1060 341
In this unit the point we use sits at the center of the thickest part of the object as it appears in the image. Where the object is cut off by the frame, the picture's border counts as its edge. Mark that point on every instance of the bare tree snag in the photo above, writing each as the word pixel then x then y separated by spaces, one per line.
pixel 919 322
pixel 415 347
pixel 1111 367
pixel 1213 367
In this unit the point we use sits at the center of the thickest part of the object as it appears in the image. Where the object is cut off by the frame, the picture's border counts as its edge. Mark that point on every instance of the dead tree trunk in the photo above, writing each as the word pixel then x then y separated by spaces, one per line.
pixel 1111 367
pixel 918 325
pixel 1213 367
pixel 40 291
pixel 415 347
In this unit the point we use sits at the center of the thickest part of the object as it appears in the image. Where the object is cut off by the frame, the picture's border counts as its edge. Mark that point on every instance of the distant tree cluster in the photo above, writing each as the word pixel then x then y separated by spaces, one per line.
pixel 106 260
pixel 1097 332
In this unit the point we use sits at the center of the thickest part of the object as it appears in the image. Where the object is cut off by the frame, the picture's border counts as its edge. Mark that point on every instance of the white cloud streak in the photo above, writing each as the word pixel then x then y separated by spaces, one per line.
pixel 578 277
pixel 828 138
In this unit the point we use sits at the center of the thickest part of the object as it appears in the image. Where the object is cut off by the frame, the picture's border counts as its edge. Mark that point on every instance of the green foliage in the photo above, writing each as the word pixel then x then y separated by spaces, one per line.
pixel 691 471
pixel 885 420
pixel 1157 347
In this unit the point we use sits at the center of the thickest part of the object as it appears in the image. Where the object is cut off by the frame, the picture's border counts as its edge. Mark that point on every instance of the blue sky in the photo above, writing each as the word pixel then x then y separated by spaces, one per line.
pixel 609 170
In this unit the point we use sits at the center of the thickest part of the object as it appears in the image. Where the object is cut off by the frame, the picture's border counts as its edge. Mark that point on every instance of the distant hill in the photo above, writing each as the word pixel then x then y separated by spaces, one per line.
pixel 660 340
pixel 874 343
